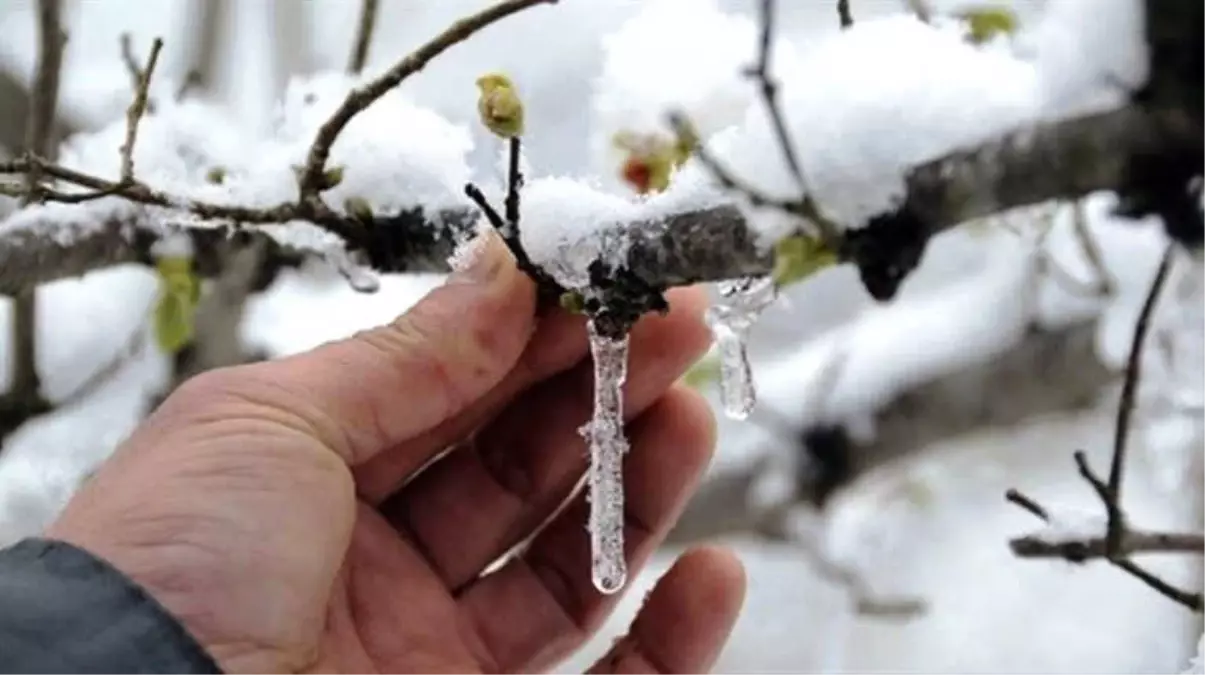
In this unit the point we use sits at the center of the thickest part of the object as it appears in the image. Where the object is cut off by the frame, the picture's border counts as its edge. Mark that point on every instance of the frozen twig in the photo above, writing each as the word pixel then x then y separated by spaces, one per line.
pixel 364 30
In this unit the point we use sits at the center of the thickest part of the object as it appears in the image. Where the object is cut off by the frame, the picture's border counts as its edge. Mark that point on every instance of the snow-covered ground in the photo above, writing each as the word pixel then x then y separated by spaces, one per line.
pixel 864 105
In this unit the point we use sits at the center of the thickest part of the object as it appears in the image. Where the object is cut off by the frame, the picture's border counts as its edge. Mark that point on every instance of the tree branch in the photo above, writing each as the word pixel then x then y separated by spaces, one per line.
pixel 24 398
pixel 364 30
pixel 1133 541
pixel 1120 538
pixel 1060 160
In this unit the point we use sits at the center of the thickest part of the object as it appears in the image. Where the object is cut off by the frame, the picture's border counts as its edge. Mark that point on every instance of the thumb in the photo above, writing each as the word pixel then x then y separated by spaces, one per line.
pixel 380 387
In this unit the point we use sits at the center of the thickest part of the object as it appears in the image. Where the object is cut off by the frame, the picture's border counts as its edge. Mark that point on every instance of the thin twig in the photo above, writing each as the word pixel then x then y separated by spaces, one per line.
pixel 44 93
pixel 130 61
pixel 768 88
pixel 136 110
pixel 920 8
pixel 364 30
pixel 1105 283
pixel 311 180
pixel 24 398
pixel 845 14
pixel 514 183
pixel 1080 550
pixel 1129 389
pixel 1120 538
pixel 1022 500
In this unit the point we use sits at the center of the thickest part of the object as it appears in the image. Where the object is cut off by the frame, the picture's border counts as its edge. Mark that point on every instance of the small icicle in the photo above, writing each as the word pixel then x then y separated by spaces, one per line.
pixel 359 277
pixel 604 435
pixel 730 321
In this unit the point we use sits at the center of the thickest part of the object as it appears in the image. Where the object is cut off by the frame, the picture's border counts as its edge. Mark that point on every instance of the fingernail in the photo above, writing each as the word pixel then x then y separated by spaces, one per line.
pixel 479 260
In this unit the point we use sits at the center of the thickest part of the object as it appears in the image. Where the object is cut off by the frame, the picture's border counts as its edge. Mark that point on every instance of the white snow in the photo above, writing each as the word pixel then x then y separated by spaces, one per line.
pixel 1069 524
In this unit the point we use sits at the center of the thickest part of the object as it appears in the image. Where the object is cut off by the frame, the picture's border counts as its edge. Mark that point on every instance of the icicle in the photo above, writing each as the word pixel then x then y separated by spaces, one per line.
pixel 359 277
pixel 730 321
pixel 604 435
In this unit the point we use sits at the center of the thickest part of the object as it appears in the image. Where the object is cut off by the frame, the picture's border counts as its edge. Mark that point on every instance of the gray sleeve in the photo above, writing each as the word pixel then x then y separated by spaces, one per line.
pixel 63 610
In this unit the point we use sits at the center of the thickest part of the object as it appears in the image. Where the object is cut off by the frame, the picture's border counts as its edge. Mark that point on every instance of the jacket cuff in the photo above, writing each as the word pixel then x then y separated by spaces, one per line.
pixel 63 609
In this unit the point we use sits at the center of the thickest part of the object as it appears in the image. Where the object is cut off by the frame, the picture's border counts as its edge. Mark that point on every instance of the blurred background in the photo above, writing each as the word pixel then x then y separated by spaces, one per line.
pixel 865 494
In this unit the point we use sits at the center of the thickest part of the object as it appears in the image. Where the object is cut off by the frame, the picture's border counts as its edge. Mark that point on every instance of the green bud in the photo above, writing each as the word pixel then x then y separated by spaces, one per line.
pixel 216 175
pixel 573 302
pixel 798 257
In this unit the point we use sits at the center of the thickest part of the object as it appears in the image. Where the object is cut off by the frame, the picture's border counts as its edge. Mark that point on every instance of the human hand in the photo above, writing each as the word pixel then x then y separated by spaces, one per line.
pixel 290 515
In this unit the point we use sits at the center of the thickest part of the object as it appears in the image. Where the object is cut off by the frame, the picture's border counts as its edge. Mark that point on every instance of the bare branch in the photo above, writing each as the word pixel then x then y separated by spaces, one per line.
pixel 24 398
pixel 364 30
pixel 1133 542
pixel 1120 539
pixel 137 109
pixel 44 93
pixel 210 18
pixel 1105 282
pixel 920 8
pixel 14 115
pixel 845 14
pixel 130 61
pixel 1125 409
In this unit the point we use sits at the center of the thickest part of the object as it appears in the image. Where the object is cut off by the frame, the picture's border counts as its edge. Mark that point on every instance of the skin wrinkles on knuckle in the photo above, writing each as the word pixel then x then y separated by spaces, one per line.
pixel 460 355
pixel 253 401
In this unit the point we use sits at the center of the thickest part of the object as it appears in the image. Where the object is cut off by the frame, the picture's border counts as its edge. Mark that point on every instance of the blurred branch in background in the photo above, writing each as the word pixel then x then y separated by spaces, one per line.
pixel 363 40
pixel 291 53
pixel 1049 371
pixel 24 397
pixel 205 52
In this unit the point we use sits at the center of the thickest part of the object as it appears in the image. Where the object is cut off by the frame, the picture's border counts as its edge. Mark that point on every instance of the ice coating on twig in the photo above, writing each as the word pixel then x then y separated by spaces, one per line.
pixel 730 321
pixel 604 435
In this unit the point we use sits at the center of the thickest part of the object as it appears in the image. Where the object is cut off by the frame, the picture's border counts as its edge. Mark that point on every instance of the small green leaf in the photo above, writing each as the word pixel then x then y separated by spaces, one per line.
pixel 573 302
pixel 216 175
pixel 332 177
pixel 176 308
pixel 358 207
pixel 985 23
pixel 704 372
pixel 798 257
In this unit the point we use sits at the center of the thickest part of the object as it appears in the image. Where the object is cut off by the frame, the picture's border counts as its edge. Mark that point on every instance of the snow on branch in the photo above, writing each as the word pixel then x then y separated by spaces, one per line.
pixel 1064 159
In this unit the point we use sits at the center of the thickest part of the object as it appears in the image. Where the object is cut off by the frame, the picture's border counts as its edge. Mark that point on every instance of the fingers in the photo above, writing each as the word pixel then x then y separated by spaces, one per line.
pixel 538 607
pixel 557 345
pixel 685 621
pixel 385 385
pixel 472 506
